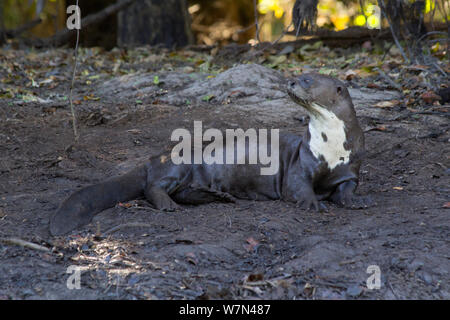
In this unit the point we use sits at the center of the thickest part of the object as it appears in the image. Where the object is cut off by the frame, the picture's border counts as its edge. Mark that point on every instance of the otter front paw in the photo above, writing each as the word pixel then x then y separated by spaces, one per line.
pixel 309 202
pixel 167 205
pixel 160 199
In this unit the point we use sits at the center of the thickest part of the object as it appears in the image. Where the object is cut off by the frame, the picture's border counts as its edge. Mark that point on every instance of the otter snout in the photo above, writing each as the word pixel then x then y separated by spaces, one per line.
pixel 298 89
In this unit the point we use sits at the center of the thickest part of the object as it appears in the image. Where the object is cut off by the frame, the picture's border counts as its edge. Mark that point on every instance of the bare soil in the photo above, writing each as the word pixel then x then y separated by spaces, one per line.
pixel 247 250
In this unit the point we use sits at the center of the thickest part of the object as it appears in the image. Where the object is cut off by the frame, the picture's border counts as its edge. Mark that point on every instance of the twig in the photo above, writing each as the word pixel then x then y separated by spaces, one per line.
pixel 72 110
pixel 25 244
pixel 246 28
pixel 64 35
pixel 392 289
pixel 439 69
pixel 430 34
pixel 393 32
pixel 285 31
pixel 387 51
pixel 16 32
pixel 255 8
pixel 388 79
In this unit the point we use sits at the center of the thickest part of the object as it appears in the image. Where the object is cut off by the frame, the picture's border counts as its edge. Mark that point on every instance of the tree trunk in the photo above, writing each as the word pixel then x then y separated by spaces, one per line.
pixel 2 25
pixel 155 22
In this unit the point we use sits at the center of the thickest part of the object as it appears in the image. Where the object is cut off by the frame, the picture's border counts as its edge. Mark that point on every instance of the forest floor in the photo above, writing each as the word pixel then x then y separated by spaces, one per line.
pixel 127 105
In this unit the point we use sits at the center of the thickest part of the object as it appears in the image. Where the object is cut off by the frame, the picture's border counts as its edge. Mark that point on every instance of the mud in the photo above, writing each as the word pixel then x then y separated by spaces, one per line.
pixel 246 250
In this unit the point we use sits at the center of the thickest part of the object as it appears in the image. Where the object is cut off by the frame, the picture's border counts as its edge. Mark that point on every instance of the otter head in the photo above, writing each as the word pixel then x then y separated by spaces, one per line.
pixel 332 116
pixel 319 93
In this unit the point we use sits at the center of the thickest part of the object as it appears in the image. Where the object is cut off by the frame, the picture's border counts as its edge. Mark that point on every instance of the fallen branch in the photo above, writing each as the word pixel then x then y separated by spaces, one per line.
pixel 23 243
pixel 63 36
pixel 17 32
pixel 351 33
pixel 357 34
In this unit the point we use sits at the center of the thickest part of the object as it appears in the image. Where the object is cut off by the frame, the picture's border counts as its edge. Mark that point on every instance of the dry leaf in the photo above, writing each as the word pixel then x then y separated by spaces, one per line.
pixel 387 104
pixel 125 205
pixel 429 97
pixel 373 86
pixel 252 244
pixel 350 74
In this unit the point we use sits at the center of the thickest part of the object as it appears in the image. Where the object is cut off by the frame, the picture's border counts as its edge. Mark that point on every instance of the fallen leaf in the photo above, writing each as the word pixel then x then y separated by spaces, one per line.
pixel 367 45
pixel 207 98
pixel 417 67
pixel 46 81
pixel 91 97
pixel 429 97
pixel 125 205
pixel 277 60
pixel 255 277
pixel 350 74
pixel 191 258
pixel 134 131
pixel 377 128
pixel 252 244
pixel 309 289
pixel 373 86
pixel 387 104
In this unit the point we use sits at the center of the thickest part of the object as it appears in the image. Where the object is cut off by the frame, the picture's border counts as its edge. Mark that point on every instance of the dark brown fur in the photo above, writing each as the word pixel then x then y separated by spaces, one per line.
pixel 301 178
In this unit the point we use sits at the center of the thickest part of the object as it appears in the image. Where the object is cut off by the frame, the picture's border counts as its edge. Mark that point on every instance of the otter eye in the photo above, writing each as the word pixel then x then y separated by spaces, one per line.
pixel 339 90
pixel 305 81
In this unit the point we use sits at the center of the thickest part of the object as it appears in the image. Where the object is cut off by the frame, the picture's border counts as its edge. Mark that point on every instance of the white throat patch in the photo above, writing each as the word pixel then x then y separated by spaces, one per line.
pixel 327 136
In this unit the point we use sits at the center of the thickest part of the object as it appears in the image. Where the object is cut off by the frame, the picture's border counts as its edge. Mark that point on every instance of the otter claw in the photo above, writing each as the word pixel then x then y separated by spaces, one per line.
pixel 308 204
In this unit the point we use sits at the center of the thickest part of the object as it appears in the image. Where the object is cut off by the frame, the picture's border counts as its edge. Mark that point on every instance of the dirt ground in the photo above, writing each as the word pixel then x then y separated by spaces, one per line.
pixel 247 250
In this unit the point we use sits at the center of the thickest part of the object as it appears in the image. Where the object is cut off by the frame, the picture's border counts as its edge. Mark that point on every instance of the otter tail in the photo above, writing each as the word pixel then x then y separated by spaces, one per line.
pixel 80 207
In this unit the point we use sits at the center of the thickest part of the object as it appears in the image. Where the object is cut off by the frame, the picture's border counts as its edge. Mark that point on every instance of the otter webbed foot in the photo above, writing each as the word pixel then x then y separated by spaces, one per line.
pixel 160 199
pixel 345 197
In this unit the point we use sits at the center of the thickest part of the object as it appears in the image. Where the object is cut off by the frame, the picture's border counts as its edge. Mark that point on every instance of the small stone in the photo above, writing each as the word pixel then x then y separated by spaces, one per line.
pixel 354 291
pixel 188 69
pixel 415 265
pixel 426 277
pixel 133 280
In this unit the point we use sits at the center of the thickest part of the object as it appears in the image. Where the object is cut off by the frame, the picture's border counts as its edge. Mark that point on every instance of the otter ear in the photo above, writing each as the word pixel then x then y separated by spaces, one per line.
pixel 339 90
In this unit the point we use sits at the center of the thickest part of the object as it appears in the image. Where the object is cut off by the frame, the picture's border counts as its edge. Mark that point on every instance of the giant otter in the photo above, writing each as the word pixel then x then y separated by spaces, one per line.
pixel 323 165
